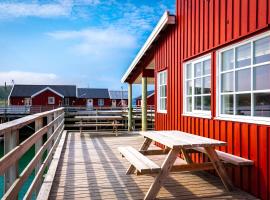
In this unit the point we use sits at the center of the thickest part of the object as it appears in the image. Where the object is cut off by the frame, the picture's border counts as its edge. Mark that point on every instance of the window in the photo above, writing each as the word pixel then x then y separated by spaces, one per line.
pixel 162 91
pixel 197 82
pixel 100 102
pixel 51 100
pixel 66 101
pixel 27 101
pixel 243 79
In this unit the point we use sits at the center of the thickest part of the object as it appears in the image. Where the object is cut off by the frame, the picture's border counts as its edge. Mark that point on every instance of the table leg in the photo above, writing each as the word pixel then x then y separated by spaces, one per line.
pixel 186 156
pixel 219 167
pixel 165 170
pixel 144 146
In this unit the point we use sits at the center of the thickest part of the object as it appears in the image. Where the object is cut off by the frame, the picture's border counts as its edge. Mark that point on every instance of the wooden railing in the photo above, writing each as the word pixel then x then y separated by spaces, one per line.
pixel 13 150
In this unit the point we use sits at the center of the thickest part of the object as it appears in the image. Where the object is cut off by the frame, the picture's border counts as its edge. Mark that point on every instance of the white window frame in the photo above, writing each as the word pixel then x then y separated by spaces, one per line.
pixel 196 113
pixel 28 101
pixel 100 100
pixel 234 117
pixel 51 100
pixel 159 110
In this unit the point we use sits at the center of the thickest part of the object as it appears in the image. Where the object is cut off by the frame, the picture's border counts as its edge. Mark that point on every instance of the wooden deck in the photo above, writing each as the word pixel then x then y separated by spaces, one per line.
pixel 92 168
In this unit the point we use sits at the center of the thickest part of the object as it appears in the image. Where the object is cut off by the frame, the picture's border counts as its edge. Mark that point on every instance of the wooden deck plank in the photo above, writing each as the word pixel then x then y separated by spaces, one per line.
pixel 92 168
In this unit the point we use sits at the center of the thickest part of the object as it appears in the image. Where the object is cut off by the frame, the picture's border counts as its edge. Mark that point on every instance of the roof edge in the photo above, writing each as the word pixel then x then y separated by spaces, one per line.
pixel 165 20
pixel 47 88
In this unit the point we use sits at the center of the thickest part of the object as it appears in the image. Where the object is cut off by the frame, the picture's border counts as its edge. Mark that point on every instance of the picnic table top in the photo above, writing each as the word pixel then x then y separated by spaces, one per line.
pixel 178 139
pixel 108 117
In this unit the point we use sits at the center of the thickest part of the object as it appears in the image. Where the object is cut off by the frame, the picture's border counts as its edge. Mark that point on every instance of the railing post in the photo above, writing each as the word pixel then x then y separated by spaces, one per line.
pixel 38 145
pixel 144 104
pixel 11 140
pixel 50 130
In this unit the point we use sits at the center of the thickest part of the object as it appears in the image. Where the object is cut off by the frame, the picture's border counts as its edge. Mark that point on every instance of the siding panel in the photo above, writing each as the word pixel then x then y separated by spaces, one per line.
pixel 205 26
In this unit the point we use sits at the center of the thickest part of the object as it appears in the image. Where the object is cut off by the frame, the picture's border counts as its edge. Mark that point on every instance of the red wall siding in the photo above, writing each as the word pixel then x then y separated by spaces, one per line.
pixel 203 26
pixel 42 99
pixel 17 101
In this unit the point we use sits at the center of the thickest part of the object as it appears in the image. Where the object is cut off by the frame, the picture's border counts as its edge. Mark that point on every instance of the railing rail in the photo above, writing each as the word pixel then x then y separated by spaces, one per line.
pixel 13 150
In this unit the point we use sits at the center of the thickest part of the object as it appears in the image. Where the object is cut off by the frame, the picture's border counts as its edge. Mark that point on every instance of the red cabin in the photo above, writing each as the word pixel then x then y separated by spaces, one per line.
pixel 42 95
pixel 210 64
pixel 150 99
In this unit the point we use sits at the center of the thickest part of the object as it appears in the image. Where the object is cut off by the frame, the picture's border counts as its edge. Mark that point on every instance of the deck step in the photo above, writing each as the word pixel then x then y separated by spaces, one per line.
pixel 138 160
pixel 229 158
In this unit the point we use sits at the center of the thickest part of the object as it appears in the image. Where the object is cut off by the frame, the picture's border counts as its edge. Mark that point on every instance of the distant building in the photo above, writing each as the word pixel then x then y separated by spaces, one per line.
pixel 118 98
pixel 93 97
pixel 150 99
pixel 45 95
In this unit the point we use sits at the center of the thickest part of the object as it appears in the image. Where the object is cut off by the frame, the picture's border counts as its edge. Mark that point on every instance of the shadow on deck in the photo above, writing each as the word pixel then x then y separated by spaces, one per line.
pixel 92 168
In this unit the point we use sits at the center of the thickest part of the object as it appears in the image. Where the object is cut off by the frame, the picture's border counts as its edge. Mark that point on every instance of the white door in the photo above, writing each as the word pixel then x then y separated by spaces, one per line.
pixel 113 103
pixel 89 103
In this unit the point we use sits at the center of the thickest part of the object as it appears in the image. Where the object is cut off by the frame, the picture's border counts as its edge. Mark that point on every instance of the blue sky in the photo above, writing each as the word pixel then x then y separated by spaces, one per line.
pixel 89 43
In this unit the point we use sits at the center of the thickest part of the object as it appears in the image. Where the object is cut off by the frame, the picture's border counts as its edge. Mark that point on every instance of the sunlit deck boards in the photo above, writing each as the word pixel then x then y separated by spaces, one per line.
pixel 92 168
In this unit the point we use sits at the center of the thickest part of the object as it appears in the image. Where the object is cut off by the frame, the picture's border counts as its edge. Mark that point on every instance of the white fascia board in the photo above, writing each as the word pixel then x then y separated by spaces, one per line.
pixel 165 20
pixel 47 88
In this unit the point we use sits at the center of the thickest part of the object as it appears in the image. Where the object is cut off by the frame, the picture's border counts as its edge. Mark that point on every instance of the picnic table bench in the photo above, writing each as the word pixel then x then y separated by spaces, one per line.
pixel 177 142
pixel 100 121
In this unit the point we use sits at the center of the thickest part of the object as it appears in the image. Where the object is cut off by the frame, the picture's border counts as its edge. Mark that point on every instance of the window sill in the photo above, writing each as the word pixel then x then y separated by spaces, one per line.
pixel 162 111
pixel 197 115
pixel 244 120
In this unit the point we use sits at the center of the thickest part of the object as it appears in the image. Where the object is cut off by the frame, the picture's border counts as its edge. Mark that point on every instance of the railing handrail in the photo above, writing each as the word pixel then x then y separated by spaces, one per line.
pixel 21 122
pixel 15 150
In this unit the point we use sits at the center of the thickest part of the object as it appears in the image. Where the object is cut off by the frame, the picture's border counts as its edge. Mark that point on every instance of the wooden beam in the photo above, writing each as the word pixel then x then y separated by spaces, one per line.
pixel 144 103
pixel 130 107
pixel 165 170
pixel 150 73
pixel 219 167
pixel 11 141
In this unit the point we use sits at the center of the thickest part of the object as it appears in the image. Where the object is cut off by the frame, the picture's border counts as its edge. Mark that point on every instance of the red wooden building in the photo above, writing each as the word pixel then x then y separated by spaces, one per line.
pixel 210 63
pixel 42 95
pixel 150 99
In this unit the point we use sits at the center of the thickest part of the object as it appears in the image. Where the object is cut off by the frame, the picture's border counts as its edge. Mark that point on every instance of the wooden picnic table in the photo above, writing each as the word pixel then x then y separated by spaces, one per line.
pixel 175 142
pixel 105 117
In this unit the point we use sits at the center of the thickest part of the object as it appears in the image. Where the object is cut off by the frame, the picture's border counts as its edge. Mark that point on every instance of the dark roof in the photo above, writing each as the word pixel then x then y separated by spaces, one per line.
pixel 93 93
pixel 149 93
pixel 29 90
pixel 118 94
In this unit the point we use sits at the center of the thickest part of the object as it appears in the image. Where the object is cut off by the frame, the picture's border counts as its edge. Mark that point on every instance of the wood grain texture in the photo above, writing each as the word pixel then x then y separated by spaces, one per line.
pixel 92 168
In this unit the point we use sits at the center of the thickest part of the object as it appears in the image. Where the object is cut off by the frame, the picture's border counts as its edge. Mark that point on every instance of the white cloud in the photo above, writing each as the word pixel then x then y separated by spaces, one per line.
pixel 97 41
pixel 21 77
pixel 62 8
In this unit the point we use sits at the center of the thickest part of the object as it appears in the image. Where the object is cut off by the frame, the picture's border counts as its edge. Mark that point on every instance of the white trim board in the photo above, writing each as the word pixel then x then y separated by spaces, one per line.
pixel 47 88
pixel 165 20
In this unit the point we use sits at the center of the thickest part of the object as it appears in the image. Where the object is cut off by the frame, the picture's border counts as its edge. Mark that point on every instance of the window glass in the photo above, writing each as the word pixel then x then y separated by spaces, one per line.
pixel 207 85
pixel 188 71
pixel 189 104
pixel 243 56
pixel 243 80
pixel 162 91
pixel 198 86
pixel 227 104
pixel 227 82
pixel 262 50
pixel 189 87
pixel 248 79
pixel 262 105
pixel 243 105
pixel 198 104
pixel 262 77
pixel 227 60
pixel 207 67
pixel 207 103
pixel 197 70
